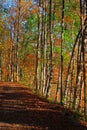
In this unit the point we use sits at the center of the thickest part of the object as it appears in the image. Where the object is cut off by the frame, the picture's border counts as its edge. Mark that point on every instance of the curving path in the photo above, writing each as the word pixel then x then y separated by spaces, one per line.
pixel 20 109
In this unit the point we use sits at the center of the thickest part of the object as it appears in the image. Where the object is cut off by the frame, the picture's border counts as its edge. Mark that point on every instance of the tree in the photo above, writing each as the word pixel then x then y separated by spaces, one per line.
pixel 18 16
pixel 44 52
pixel 75 92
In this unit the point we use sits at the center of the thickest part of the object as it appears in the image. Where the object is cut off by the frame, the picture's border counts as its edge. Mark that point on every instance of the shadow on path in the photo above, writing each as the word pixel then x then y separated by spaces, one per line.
pixel 20 109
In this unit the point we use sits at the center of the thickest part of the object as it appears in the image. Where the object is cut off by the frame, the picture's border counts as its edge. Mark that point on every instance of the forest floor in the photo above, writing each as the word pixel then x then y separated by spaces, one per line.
pixel 20 109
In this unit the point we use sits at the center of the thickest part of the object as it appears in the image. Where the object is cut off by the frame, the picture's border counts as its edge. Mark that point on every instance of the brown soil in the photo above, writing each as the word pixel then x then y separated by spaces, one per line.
pixel 20 109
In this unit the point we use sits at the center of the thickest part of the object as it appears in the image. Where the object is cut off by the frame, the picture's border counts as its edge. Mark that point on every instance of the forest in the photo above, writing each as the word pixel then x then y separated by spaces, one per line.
pixel 43 46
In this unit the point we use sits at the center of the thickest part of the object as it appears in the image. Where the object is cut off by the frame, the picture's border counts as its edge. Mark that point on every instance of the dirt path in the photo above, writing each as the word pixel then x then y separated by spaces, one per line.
pixel 22 110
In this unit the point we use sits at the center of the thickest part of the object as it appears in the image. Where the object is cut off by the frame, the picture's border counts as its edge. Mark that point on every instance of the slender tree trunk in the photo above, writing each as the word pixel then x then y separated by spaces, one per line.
pixel 62 39
pixel 0 65
pixel 38 51
pixel 50 67
pixel 17 42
